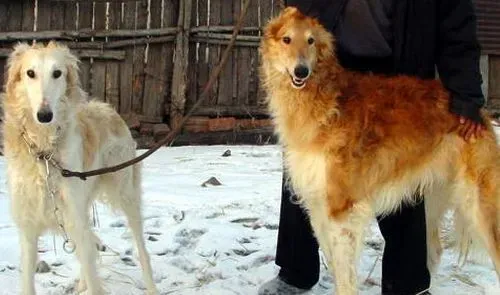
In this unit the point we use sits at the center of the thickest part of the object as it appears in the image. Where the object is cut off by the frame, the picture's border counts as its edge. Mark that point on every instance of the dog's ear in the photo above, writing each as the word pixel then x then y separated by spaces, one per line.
pixel 19 49
pixel 275 24
pixel 325 42
pixel 72 68
pixel 289 10
pixel 52 44
pixel 14 65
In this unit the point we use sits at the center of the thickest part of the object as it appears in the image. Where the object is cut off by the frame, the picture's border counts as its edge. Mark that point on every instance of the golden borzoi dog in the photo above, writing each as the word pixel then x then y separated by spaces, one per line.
pixel 358 145
pixel 49 122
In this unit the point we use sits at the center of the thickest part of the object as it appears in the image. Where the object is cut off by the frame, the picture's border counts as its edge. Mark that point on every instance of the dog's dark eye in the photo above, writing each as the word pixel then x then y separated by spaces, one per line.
pixel 310 40
pixel 287 40
pixel 31 74
pixel 56 74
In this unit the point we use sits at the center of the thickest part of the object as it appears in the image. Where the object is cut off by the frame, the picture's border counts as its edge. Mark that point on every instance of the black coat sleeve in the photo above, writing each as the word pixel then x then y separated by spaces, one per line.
pixel 326 11
pixel 458 54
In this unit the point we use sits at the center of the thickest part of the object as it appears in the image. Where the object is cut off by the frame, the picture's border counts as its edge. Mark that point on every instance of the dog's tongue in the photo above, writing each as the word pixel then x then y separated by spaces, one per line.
pixel 298 83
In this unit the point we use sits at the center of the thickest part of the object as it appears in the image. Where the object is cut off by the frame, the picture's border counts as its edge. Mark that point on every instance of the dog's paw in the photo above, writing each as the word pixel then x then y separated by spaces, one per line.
pixel 81 286
pixel 152 291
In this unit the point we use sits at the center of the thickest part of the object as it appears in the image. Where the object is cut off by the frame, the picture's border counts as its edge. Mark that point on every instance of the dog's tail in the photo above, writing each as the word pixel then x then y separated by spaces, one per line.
pixel 465 242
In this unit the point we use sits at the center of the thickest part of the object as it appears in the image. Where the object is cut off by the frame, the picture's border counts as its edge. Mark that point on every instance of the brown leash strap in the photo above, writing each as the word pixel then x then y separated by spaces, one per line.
pixel 168 138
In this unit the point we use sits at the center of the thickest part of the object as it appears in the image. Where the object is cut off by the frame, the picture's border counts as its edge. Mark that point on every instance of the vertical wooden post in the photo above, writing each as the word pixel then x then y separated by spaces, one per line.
pixel 179 78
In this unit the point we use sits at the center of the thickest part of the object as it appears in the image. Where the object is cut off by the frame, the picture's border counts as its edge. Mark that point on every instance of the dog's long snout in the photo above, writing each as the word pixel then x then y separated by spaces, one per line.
pixel 44 115
pixel 301 71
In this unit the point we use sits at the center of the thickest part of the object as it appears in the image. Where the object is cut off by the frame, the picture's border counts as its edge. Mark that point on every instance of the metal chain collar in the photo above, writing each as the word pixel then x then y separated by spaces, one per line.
pixel 68 245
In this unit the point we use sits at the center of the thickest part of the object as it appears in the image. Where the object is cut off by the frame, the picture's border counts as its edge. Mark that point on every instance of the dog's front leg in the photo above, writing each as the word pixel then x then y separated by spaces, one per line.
pixel 77 227
pixel 29 241
pixel 341 241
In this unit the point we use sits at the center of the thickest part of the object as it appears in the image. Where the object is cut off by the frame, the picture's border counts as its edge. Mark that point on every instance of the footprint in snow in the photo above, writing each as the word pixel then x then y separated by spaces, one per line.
pixel 261 260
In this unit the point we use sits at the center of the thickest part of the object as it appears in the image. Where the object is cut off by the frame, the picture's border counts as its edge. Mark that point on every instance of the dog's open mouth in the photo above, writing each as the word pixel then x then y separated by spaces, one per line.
pixel 298 83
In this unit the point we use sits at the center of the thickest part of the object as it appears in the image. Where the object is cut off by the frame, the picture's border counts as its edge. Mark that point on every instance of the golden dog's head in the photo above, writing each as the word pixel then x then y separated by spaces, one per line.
pixel 40 77
pixel 294 45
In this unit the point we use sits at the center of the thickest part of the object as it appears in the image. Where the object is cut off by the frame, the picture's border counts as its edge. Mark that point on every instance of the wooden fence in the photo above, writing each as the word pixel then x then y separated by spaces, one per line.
pixel 137 55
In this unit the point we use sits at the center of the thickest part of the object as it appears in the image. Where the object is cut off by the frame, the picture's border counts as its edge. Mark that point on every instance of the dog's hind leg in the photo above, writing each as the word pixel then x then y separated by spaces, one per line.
pixel 82 285
pixel 132 208
pixel 479 207
pixel 436 203
pixel 341 241
pixel 29 241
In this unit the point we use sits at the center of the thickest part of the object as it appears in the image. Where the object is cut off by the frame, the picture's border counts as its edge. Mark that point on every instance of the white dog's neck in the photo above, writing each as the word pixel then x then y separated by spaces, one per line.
pixel 42 138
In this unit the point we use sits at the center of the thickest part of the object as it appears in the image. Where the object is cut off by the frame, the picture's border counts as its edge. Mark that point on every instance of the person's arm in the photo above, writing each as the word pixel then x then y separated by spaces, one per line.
pixel 458 54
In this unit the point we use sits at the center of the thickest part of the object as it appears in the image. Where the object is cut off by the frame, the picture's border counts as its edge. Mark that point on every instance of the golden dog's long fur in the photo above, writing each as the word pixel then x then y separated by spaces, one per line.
pixel 357 145
pixel 81 135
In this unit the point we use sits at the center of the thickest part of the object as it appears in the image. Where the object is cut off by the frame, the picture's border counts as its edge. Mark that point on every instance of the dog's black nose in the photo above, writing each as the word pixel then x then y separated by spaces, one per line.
pixel 301 71
pixel 44 116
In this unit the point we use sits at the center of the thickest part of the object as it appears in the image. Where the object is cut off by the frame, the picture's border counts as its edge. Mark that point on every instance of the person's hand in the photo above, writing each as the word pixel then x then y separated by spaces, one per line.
pixel 469 128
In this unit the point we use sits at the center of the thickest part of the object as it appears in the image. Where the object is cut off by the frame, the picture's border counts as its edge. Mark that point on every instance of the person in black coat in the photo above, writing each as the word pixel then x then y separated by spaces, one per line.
pixel 389 37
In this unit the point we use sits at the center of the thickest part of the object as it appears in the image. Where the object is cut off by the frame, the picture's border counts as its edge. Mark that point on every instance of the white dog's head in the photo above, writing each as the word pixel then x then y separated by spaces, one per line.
pixel 42 75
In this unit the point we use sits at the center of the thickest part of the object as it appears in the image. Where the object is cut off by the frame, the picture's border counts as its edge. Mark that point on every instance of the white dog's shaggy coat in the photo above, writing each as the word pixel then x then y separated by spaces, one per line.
pixel 45 107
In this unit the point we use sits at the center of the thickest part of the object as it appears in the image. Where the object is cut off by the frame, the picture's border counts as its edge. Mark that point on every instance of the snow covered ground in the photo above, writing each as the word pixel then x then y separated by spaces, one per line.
pixel 206 240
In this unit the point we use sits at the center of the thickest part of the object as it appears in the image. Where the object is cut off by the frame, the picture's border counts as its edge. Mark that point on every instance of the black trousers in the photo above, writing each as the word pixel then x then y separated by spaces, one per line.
pixel 404 262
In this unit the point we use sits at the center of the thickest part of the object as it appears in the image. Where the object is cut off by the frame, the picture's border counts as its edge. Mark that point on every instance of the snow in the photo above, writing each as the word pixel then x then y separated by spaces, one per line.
pixel 207 240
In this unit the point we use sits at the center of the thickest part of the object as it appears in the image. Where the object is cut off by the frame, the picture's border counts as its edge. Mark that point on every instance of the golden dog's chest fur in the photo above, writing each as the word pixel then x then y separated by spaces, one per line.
pixel 357 145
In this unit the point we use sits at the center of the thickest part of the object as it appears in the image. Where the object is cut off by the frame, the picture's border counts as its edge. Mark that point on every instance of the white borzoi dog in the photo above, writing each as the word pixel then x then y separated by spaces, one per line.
pixel 48 115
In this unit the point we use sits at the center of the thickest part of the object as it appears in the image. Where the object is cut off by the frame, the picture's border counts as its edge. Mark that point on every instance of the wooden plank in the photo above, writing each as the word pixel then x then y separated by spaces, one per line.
pixel 247 88
pixel 232 111
pixel 84 21
pixel 85 15
pixel 126 43
pixel 98 67
pixel 237 6
pixel 12 22
pixel 28 15
pixel 70 16
pixel 98 80
pixel 170 19
pixel 179 79
pixel 154 83
pixel 43 17
pixel 85 53
pixel 69 21
pixel 127 67
pixel 70 35
pixel 218 36
pixel 99 15
pixel 3 26
pixel 194 60
pixel 138 59
pixel 225 29
pixel 243 75
pixel 14 17
pixel 203 68
pixel 266 12
pixel 114 15
pixel 277 7
pixel 494 77
pixel 4 17
pixel 57 10
pixel 112 87
pixel 225 95
pixel 214 50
